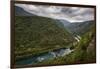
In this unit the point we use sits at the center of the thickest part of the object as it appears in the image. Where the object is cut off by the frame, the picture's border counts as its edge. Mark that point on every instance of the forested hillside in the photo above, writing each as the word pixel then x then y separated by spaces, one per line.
pixel 36 35
pixel 84 51
pixel 45 38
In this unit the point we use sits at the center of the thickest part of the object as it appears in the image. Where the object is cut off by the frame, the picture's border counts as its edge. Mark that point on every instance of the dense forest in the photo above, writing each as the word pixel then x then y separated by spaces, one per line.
pixel 36 35
pixel 39 40
pixel 84 52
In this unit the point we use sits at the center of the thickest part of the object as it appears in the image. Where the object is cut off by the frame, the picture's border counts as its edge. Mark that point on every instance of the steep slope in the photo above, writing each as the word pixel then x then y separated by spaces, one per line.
pixel 36 34
pixel 21 12
pixel 78 28
pixel 81 28
pixel 84 52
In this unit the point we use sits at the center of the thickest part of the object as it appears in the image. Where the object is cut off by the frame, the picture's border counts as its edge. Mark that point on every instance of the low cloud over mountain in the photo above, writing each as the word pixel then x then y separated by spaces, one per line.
pixel 72 14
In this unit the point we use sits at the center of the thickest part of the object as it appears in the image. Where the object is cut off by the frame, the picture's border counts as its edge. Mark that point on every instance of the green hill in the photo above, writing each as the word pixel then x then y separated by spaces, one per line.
pixel 35 35
pixel 81 28
pixel 84 51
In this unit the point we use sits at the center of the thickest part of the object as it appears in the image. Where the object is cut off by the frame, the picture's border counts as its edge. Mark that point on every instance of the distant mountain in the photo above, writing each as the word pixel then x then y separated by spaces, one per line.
pixel 78 28
pixel 21 12
pixel 81 28
pixel 36 35
pixel 65 22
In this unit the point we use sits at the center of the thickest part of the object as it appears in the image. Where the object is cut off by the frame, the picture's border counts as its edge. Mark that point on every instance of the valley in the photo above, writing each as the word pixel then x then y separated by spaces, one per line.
pixel 41 40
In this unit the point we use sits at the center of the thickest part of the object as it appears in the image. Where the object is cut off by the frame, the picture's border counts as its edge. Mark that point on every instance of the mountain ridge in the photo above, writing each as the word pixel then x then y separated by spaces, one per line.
pixel 78 27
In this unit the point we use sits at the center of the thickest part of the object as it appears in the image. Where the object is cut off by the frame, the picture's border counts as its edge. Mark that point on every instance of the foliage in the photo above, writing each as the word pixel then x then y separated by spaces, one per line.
pixel 83 52
pixel 35 35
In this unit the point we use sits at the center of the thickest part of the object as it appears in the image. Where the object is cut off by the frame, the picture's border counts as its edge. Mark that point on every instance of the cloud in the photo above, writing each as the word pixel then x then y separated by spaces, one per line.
pixel 72 14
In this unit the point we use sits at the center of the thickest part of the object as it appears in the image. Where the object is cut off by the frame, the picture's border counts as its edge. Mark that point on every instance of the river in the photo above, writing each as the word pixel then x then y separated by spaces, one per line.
pixel 44 56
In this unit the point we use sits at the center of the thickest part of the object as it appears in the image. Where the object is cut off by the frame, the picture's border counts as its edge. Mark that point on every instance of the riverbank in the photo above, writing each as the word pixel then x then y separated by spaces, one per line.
pixel 34 59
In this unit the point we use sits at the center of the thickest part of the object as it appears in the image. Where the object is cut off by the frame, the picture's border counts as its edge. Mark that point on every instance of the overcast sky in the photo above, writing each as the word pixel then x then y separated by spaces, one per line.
pixel 72 14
